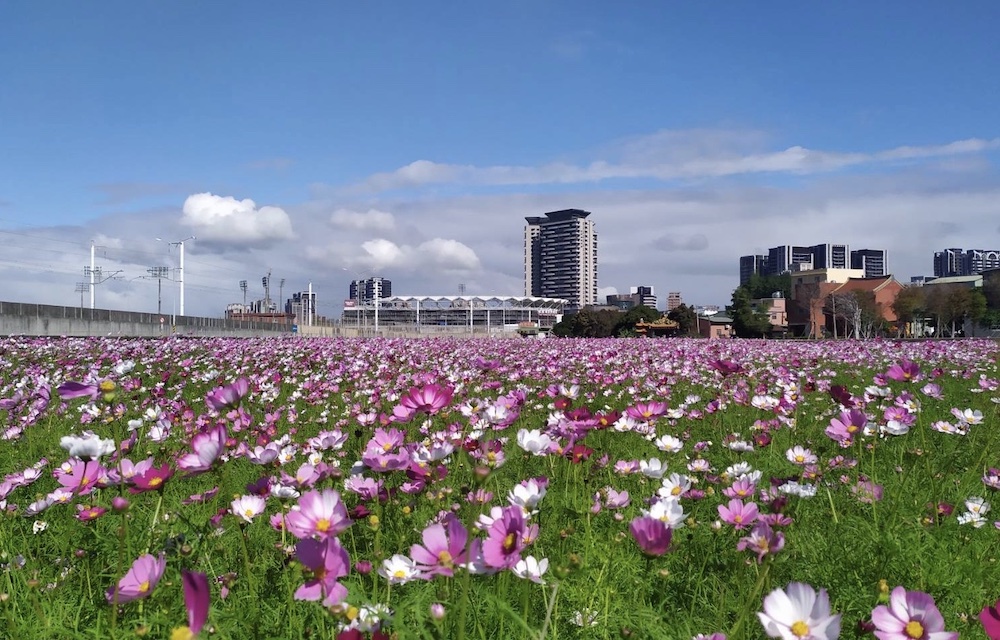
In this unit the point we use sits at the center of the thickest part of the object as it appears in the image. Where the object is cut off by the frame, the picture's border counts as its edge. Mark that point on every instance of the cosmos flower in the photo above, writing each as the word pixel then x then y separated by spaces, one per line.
pixel 799 613
pixel 327 561
pixel 227 396
pixel 140 580
pixel 651 534
pixel 910 615
pixel 320 514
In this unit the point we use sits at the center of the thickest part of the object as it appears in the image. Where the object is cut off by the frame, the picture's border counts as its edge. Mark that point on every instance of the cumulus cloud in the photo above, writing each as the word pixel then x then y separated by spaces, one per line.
pixel 362 220
pixel 436 254
pixel 224 220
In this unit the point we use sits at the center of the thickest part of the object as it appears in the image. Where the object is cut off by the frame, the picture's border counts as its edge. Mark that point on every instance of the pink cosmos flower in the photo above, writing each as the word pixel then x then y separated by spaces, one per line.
pixel 905 371
pixel 320 514
pixel 738 514
pixel 328 561
pixel 651 534
pixel 429 399
pixel 763 541
pixel 847 426
pixel 207 447
pixel 506 538
pixel 196 599
pixel 140 580
pixel 83 476
pixel 152 479
pixel 990 617
pixel 911 615
pixel 247 507
pixel 71 390
pixel 443 548
pixel 645 411
pixel 744 488
pixel 228 396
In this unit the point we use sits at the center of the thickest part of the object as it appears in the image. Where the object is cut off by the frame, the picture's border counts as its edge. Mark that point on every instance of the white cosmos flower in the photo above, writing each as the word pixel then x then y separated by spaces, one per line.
pixel 978 505
pixel 800 455
pixel 674 486
pixel 652 468
pixel 534 442
pixel 398 569
pixel 667 510
pixel 895 428
pixel 765 402
pixel 88 446
pixel 669 444
pixel 531 569
pixel 247 507
pixel 799 612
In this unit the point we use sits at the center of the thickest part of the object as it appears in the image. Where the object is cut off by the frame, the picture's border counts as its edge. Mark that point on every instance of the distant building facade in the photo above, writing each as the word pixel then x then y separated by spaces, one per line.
pixel 647 296
pixel 560 257
pixel 959 262
pixel 673 300
pixel 366 291
pixel 793 258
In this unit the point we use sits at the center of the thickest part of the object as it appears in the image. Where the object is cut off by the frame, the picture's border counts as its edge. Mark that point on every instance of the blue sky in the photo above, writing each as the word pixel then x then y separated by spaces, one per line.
pixel 767 122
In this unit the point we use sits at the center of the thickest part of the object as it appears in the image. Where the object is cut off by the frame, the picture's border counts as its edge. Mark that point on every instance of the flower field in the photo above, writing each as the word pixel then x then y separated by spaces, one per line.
pixel 498 489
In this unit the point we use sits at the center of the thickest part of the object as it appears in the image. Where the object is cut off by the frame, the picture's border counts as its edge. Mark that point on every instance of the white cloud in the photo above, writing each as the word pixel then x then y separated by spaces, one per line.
pixel 225 220
pixel 670 156
pixel 361 220
pixel 435 255
pixel 604 292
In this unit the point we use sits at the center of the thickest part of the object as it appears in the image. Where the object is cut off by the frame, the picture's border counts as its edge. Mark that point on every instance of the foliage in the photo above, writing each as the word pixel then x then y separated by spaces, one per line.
pixel 604 323
pixel 748 322
pixel 759 286
pixel 686 317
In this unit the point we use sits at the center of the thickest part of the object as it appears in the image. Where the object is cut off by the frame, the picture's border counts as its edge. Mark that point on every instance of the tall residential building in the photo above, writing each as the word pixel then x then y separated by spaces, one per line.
pixel 830 256
pixel 560 257
pixel 302 305
pixel 872 261
pixel 365 291
pixel 953 262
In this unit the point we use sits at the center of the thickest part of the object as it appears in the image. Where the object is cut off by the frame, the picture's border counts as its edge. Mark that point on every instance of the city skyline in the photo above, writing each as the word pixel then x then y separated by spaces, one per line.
pixel 334 140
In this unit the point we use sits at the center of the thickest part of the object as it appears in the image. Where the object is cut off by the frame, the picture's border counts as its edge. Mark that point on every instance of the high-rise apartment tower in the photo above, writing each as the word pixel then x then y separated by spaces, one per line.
pixel 560 257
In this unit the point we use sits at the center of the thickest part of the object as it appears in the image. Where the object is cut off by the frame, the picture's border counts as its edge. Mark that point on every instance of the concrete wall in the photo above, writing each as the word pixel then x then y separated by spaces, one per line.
pixel 49 320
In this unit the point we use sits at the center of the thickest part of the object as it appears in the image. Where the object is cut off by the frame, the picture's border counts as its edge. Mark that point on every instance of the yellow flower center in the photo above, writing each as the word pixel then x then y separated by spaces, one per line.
pixel 509 541
pixel 181 633
pixel 387 447
pixel 800 629
pixel 322 525
pixel 738 519
pixel 144 587
pixel 800 458
pixel 914 629
pixel 851 428
pixel 248 513
pixel 106 386
pixel 84 480
pixel 676 491
pixel 399 573
pixel 155 482
pixel 445 558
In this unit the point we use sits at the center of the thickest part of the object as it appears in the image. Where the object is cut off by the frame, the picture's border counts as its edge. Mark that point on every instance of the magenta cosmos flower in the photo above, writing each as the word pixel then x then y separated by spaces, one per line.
pixel 429 399
pixel 227 396
pixel 71 390
pixel 738 514
pixel 151 479
pixel 327 561
pixel 905 371
pixel 196 600
pixel 320 514
pixel 652 535
pixel 763 540
pixel 443 548
pixel 506 538
pixel 990 617
pixel 845 427
pixel 911 615
pixel 140 580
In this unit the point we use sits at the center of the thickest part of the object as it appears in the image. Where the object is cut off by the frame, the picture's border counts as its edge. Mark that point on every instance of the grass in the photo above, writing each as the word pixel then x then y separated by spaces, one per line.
pixel 53 581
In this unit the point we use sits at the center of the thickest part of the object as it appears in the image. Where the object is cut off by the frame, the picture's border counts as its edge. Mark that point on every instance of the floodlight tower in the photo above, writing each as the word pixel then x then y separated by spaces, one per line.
pixel 243 287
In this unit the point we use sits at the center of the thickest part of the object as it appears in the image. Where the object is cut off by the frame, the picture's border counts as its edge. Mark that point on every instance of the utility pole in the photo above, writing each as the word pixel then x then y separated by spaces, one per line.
pixel 82 288
pixel 243 286
pixel 159 273
pixel 94 273
pixel 180 273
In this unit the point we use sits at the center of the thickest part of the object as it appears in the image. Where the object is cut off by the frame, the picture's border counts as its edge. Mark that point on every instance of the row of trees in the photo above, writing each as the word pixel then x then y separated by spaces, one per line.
pixel 949 306
pixel 607 323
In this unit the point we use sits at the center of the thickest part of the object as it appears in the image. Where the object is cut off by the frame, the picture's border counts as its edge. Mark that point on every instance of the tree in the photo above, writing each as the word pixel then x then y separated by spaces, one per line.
pixel 861 315
pixel 686 317
pixel 625 326
pixel 765 286
pixel 909 305
pixel 747 322
pixel 937 304
pixel 965 304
